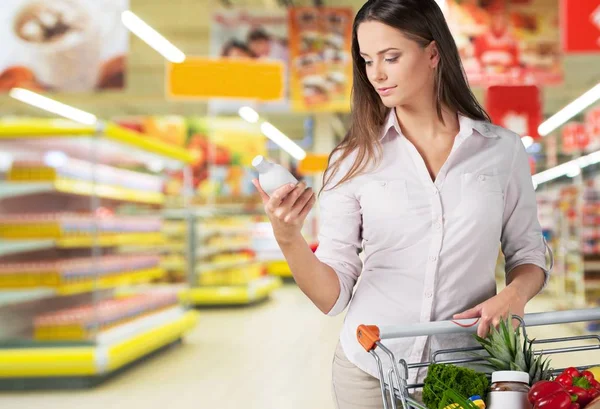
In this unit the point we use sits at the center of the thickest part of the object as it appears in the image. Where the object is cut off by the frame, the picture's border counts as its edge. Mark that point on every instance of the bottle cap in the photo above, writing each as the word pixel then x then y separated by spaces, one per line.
pixel 510 376
pixel 258 159
pixel 261 164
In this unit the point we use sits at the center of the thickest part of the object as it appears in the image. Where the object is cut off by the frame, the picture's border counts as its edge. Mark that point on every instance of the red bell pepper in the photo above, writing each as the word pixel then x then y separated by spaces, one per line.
pixel 582 385
pixel 583 395
pixel 550 395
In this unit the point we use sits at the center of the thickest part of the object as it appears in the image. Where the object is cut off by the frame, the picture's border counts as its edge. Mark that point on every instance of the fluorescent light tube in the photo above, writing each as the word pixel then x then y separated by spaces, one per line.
pixel 283 141
pixel 50 105
pixel 527 141
pixel 152 37
pixel 570 111
pixel 248 114
pixel 571 168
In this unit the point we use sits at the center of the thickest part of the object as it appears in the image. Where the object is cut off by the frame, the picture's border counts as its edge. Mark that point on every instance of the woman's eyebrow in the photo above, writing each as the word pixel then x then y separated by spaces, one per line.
pixel 380 52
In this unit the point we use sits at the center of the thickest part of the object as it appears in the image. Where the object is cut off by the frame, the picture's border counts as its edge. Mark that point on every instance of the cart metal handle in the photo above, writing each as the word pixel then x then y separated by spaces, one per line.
pixel 370 335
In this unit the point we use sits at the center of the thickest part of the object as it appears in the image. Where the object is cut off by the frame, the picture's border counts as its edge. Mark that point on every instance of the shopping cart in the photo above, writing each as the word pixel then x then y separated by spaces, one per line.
pixel 394 384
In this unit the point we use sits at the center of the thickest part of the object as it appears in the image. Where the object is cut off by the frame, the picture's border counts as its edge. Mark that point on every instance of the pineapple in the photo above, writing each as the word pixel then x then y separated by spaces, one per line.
pixel 507 352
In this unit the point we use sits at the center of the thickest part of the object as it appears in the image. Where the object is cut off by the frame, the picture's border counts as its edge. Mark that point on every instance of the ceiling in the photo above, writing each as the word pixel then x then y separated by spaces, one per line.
pixel 185 23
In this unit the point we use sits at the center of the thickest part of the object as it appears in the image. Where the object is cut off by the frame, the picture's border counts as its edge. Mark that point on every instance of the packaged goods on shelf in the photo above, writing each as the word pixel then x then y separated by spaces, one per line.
pixel 225 268
pixel 55 225
pixel 64 273
pixel 82 322
pixel 79 208
pixel 74 169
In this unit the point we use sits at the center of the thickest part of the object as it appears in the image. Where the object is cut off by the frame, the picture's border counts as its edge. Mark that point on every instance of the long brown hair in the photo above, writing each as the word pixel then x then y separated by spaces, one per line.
pixel 423 22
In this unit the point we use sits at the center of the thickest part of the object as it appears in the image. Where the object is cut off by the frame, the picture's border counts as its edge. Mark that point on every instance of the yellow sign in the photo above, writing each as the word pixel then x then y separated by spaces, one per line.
pixel 313 163
pixel 203 78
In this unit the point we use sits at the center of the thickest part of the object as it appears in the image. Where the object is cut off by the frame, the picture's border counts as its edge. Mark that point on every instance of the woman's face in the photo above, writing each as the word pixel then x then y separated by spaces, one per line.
pixel 400 70
pixel 235 52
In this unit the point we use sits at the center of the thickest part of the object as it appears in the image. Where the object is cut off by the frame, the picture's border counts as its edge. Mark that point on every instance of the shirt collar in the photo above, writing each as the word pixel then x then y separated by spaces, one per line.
pixel 467 125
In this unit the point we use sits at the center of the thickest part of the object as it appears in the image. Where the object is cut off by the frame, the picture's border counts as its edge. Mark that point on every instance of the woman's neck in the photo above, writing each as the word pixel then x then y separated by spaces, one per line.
pixel 424 123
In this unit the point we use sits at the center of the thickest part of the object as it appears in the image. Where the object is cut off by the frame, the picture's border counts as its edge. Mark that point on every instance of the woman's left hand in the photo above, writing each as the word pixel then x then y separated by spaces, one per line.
pixel 491 312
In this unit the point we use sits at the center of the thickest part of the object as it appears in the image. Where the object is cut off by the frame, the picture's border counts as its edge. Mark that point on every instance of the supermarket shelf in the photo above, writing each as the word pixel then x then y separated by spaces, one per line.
pixel 224 265
pixel 140 339
pixel 67 131
pixel 279 269
pixel 205 251
pixel 147 239
pixel 116 240
pixel 131 278
pixel 253 292
pixel 91 284
pixel 9 297
pixel 80 188
pixel 8 247
pixel 211 211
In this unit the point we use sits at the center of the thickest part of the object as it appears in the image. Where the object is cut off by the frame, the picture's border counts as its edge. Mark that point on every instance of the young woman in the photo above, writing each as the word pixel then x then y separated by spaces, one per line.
pixel 426 188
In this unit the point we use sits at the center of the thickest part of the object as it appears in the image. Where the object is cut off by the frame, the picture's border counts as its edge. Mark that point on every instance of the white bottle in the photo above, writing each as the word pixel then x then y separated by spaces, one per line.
pixel 271 175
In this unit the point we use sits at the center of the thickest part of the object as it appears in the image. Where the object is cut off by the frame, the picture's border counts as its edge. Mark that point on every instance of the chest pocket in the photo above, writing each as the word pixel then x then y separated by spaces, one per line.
pixel 482 197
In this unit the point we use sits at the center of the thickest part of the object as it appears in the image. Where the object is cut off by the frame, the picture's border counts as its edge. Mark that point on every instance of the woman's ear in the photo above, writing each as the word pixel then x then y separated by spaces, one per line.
pixel 434 54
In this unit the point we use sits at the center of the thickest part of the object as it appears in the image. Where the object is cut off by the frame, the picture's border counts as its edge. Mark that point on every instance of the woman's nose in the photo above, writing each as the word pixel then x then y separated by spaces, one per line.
pixel 377 74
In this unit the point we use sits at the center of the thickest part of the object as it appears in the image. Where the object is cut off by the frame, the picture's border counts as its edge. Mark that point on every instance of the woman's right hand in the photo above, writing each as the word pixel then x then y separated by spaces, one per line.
pixel 287 209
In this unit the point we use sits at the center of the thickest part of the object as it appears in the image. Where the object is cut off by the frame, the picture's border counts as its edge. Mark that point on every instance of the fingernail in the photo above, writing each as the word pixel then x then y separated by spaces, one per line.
pixel 292 185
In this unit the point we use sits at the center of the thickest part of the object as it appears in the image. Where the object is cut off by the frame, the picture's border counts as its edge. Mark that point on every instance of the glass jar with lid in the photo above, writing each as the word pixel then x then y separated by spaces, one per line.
pixel 509 390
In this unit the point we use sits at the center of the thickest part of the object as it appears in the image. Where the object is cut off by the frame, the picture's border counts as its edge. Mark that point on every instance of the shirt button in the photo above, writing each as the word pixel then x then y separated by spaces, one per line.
pixel 383 183
pixel 428 294
pixel 432 258
pixel 435 191
pixel 437 226
pixel 481 178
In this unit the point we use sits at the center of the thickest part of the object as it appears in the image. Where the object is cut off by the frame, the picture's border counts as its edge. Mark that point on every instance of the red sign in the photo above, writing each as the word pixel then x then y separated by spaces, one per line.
pixel 574 137
pixel 580 20
pixel 592 126
pixel 517 108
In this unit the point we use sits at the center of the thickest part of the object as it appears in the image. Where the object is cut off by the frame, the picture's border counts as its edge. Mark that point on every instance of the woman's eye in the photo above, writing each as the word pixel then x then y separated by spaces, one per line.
pixel 368 63
pixel 391 60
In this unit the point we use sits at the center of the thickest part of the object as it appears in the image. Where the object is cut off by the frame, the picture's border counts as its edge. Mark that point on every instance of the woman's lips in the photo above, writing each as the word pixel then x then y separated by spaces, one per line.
pixel 385 90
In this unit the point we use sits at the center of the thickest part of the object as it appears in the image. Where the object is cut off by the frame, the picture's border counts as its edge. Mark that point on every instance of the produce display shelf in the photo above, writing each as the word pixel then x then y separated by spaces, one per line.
pixel 125 345
pixel 35 129
pixel 112 240
pixel 79 188
pixel 253 292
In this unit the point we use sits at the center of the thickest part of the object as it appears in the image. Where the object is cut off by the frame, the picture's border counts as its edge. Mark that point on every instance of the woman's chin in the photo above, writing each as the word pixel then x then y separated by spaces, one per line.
pixel 390 102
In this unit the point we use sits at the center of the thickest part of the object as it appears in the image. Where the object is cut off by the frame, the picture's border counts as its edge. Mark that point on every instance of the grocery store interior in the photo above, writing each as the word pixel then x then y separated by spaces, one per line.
pixel 137 264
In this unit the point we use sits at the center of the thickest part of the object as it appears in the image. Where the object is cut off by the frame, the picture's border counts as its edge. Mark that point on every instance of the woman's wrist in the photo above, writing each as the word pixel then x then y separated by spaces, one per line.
pixel 287 240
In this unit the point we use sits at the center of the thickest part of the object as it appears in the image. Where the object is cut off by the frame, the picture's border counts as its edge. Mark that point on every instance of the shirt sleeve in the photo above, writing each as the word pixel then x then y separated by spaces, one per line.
pixel 340 240
pixel 522 239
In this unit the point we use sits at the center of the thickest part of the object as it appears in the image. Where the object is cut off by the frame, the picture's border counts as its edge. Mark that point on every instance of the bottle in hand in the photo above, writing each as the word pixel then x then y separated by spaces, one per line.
pixel 271 175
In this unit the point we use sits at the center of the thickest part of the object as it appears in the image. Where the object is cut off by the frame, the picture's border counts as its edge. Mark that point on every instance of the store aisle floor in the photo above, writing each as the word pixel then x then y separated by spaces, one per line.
pixel 276 355
pixel 272 356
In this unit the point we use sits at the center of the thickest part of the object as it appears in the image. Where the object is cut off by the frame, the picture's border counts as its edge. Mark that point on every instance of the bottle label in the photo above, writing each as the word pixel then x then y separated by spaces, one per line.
pixel 507 399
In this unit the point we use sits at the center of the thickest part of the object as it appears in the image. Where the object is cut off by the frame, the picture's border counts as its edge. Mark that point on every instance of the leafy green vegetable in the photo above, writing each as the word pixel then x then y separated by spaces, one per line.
pixel 462 381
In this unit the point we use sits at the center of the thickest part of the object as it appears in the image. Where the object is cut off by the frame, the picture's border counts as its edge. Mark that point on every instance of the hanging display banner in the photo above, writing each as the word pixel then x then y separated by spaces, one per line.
pixel 580 25
pixel 518 108
pixel 63 45
pixel 507 42
pixel 205 78
pixel 252 35
pixel 321 62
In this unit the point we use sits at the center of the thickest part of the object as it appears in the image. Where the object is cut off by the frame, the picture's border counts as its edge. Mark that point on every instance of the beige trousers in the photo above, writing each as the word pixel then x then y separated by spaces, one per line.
pixel 353 388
